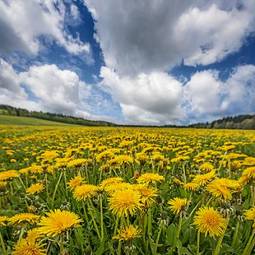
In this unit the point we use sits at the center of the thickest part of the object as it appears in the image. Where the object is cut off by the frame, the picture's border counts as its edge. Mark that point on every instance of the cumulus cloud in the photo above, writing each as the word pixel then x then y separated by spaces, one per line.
pixel 141 41
pixel 44 87
pixel 151 37
pixel 55 89
pixel 11 92
pixel 203 93
pixel 145 98
pixel 155 98
pixel 158 98
pixel 207 97
pixel 240 91
pixel 156 35
pixel 22 23
pixel 214 33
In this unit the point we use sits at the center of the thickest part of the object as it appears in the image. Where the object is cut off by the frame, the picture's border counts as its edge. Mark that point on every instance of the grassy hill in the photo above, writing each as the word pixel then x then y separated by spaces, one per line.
pixel 15 120
pixel 60 118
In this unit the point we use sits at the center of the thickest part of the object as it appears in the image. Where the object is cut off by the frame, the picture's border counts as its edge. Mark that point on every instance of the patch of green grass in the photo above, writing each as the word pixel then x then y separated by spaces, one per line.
pixel 15 120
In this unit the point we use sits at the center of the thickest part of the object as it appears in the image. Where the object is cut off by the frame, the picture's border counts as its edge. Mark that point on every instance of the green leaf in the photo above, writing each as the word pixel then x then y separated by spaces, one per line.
pixel 171 235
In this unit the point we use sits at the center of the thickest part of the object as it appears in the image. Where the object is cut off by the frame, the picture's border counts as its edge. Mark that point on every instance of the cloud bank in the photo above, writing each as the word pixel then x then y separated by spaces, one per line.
pixel 141 42
pixel 151 37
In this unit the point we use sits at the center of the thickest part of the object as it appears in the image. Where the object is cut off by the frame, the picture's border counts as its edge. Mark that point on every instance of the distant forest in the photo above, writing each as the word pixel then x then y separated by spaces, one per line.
pixel 10 110
pixel 236 122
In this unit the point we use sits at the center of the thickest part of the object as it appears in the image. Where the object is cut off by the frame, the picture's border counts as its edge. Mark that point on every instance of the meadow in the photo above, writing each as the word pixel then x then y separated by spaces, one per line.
pixel 101 190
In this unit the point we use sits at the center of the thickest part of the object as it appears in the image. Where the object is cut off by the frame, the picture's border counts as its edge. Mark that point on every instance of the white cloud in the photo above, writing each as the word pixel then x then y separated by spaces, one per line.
pixel 22 23
pixel 146 36
pixel 207 97
pixel 155 98
pixel 214 33
pixel 158 98
pixel 57 90
pixel 74 11
pixel 141 41
pixel 45 88
pixel 203 93
pixel 151 37
pixel 240 93
pixel 10 90
pixel 9 80
pixel 145 98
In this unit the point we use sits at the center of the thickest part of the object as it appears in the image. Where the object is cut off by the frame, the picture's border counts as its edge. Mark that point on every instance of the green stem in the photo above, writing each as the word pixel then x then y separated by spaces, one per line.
pixel 209 201
pixel 22 231
pixel 119 248
pixel 2 245
pixel 179 228
pixel 184 173
pixel 93 219
pixel 66 189
pixel 47 188
pixel 218 246
pixel 116 226
pixel 249 246
pixel 101 217
pixel 149 222
pixel 158 237
pixel 22 183
pixel 235 234
pixel 56 187
pixel 198 242
pixel 85 212
pixel 61 245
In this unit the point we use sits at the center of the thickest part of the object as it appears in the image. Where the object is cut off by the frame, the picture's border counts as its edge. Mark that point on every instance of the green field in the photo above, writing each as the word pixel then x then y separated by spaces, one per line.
pixel 14 120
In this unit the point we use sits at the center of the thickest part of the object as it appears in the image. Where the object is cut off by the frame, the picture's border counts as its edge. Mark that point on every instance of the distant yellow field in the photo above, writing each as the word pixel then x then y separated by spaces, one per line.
pixel 81 190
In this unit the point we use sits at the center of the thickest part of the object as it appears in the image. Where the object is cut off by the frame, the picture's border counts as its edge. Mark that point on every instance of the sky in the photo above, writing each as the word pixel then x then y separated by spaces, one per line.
pixel 136 62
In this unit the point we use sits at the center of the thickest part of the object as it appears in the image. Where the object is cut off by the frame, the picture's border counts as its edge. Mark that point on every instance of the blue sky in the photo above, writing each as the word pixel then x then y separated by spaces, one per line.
pixel 138 62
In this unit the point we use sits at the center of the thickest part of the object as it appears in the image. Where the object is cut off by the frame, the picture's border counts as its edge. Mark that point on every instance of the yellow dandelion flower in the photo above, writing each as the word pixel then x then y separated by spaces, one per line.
pixel 24 218
pixel 78 162
pixel 243 180
pixel 28 247
pixel 150 177
pixel 85 191
pixel 110 181
pixel 249 172
pixel 206 167
pixel 218 190
pixel 49 155
pixel 128 233
pixel 141 157
pixel 202 179
pixel 3 220
pixel 33 234
pixel 148 194
pixel 120 160
pixel 6 175
pixel 117 186
pixel 177 204
pixel 210 221
pixel 57 221
pixel 177 181
pixel 125 202
pixel 35 188
pixel 250 215
pixel 223 188
pixel 191 186
pixel 75 182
